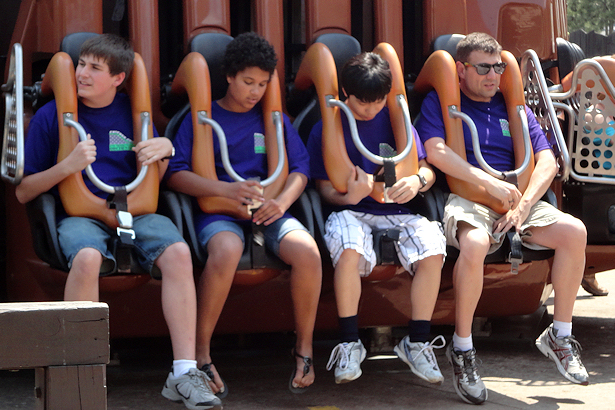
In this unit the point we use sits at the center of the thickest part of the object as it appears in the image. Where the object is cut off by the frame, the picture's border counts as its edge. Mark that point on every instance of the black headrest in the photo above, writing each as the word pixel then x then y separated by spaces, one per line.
pixel 568 55
pixel 342 46
pixel 71 44
pixel 212 46
pixel 448 42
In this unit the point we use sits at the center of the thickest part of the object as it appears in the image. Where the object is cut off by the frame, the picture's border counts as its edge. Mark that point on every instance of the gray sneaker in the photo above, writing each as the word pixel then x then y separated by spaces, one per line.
pixel 421 359
pixel 466 380
pixel 190 389
pixel 347 358
pixel 565 352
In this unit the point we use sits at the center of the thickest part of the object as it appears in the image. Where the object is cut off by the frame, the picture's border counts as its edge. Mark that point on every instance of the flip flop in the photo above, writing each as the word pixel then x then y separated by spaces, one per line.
pixel 306 369
pixel 207 369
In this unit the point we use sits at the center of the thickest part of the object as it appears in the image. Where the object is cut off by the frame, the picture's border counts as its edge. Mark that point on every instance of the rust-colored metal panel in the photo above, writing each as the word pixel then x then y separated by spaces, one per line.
pixel 388 25
pixel 57 18
pixel 206 16
pixel 269 23
pixel 143 22
pixel 327 16
pixel 443 17
pixel 516 25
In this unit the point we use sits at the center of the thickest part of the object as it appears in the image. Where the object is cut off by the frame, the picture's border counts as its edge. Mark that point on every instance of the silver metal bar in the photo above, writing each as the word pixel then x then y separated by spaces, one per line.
pixel 455 113
pixel 12 164
pixel 588 62
pixel 145 119
pixel 277 120
pixel 352 122
pixel 538 79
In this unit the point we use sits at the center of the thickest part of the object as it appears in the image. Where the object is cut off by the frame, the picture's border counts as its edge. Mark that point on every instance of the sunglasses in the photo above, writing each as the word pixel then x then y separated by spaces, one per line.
pixel 484 68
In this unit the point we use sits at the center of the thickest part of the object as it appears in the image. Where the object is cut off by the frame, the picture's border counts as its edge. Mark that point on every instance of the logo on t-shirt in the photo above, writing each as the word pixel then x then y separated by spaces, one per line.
pixel 259 143
pixel 505 128
pixel 386 151
pixel 119 142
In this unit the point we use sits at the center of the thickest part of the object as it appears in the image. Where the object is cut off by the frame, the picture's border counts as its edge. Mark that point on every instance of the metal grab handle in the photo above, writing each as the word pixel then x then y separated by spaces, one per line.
pixel 13 141
pixel 536 71
pixel 455 113
pixel 226 162
pixel 588 62
pixel 145 120
pixel 354 132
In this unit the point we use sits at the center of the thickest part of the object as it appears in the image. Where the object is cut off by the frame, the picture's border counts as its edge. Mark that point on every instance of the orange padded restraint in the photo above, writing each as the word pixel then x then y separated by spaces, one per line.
pixel 439 73
pixel 76 198
pixel 318 68
pixel 193 77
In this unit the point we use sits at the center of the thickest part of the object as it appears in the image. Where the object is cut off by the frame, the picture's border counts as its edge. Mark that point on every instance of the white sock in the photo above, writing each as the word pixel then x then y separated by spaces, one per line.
pixel 182 366
pixel 563 329
pixel 462 344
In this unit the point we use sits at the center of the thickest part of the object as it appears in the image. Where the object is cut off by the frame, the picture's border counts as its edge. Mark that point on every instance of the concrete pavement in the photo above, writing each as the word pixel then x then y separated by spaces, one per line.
pixel 257 368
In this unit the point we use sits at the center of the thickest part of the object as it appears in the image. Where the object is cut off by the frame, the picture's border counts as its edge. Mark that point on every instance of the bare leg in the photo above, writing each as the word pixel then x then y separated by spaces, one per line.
pixel 179 299
pixel 468 276
pixel 347 283
pixel 568 237
pixel 82 281
pixel 425 286
pixel 224 251
pixel 299 250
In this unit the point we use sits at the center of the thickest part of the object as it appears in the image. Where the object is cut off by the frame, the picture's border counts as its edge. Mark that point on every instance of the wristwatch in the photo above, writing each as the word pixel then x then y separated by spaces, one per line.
pixel 422 180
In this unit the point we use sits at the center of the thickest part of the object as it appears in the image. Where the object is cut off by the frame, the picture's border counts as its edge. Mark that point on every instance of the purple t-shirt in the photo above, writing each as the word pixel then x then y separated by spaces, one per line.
pixel 110 127
pixel 375 134
pixel 246 147
pixel 491 119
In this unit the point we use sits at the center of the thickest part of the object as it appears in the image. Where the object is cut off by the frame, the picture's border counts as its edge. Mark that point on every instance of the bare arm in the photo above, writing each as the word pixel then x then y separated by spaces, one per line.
pixel 360 185
pixel 273 209
pixel 35 184
pixel 408 187
pixel 195 185
pixel 445 159
pixel 544 172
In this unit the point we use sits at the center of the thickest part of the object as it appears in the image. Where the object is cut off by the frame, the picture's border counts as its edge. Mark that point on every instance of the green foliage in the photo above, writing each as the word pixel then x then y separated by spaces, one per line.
pixel 588 15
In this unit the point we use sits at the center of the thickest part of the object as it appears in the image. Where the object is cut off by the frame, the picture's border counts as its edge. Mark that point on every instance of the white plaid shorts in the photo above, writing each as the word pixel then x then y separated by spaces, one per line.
pixel 419 237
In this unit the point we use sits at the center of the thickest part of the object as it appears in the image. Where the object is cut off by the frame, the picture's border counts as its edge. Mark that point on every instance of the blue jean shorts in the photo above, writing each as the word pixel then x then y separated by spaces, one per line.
pixel 273 233
pixel 154 233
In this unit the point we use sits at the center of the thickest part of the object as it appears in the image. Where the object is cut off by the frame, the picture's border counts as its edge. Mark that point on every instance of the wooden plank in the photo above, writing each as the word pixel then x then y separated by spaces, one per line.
pixel 41 334
pixel 71 388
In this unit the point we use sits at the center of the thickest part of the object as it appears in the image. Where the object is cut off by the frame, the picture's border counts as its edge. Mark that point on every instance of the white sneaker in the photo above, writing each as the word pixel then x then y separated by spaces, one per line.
pixel 466 380
pixel 565 352
pixel 347 358
pixel 190 389
pixel 421 359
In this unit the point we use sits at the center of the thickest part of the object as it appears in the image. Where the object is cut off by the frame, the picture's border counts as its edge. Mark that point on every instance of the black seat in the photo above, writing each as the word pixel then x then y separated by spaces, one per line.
pixel 342 47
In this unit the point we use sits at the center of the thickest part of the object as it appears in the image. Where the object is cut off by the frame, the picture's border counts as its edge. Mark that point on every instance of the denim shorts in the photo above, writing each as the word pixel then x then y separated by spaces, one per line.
pixel 154 233
pixel 273 233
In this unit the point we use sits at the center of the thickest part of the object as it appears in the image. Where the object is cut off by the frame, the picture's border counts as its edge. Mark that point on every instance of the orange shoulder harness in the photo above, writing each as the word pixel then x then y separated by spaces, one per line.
pixel 318 68
pixel 76 197
pixel 439 73
pixel 193 78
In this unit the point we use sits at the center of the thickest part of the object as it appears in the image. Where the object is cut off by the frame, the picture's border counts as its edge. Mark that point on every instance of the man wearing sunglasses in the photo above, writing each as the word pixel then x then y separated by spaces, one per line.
pixel 477 230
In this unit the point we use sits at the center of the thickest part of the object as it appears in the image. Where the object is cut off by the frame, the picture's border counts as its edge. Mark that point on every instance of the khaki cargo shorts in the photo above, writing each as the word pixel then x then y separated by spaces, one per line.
pixel 458 209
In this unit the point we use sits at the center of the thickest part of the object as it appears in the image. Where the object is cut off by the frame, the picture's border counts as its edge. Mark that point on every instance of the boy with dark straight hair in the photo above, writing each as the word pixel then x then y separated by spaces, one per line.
pixel 366 80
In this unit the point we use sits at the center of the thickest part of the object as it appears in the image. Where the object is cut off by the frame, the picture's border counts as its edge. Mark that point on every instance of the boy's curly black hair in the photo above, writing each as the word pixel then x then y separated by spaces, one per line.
pixel 248 50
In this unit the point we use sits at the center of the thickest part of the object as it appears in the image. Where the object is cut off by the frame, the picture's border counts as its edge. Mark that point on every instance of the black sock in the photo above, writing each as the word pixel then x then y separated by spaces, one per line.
pixel 418 330
pixel 349 329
